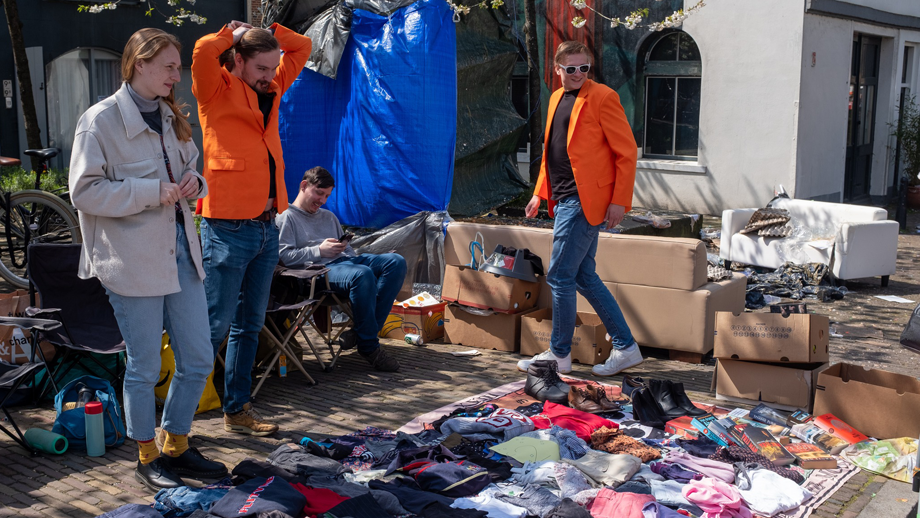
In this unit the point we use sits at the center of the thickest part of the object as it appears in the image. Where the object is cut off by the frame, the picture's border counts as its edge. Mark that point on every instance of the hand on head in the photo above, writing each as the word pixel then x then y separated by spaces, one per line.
pixel 239 29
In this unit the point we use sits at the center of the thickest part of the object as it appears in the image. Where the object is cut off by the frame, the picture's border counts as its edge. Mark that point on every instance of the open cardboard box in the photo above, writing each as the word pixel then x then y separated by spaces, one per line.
pixel 482 290
pixel 788 387
pixel 878 403
pixel 426 321
pixel 589 343
pixel 499 331
pixel 771 337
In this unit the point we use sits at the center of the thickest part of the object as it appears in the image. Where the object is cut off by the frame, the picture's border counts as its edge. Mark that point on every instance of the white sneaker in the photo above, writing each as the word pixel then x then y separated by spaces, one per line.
pixel 563 364
pixel 619 360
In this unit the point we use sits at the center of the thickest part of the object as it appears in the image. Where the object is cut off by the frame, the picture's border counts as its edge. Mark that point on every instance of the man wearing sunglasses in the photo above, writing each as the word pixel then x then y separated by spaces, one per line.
pixel 587 177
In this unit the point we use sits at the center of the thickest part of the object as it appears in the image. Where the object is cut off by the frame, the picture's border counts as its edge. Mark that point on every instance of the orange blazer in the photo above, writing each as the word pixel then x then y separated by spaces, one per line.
pixel 236 141
pixel 602 150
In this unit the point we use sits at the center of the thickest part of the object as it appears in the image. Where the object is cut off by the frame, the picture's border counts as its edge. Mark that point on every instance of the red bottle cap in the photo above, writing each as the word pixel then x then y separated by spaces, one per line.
pixel 93 407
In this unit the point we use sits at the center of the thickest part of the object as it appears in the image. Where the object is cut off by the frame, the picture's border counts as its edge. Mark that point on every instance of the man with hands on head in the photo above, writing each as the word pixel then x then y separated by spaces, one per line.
pixel 587 176
pixel 238 76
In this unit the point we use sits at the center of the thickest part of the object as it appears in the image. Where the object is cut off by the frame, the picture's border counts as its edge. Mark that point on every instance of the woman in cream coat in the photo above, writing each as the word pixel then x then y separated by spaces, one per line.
pixel 131 174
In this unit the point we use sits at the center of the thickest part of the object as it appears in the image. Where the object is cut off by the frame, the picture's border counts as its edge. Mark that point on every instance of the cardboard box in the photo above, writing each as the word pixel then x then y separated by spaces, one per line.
pixel 878 403
pixel 786 386
pixel 589 343
pixel 427 321
pixel 499 331
pixel 483 290
pixel 771 337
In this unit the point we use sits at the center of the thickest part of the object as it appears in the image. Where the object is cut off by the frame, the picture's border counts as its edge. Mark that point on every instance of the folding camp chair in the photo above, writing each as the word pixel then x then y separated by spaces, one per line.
pixel 284 316
pixel 322 321
pixel 82 307
pixel 12 377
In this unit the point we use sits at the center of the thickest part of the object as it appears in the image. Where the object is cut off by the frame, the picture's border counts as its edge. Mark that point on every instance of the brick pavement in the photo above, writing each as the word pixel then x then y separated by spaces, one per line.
pixel 353 396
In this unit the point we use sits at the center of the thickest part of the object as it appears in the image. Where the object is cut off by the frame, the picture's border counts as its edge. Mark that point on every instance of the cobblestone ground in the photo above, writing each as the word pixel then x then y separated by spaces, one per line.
pixel 353 396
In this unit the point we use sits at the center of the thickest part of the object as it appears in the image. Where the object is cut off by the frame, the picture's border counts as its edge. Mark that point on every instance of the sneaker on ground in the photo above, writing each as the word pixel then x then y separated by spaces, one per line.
pixel 381 361
pixel 563 364
pixel 248 421
pixel 619 360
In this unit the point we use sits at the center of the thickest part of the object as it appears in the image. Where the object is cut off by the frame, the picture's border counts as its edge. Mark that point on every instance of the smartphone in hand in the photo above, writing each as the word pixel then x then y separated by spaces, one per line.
pixel 346 237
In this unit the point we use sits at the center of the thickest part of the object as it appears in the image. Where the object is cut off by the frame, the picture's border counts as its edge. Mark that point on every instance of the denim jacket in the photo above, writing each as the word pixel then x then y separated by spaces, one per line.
pixel 117 165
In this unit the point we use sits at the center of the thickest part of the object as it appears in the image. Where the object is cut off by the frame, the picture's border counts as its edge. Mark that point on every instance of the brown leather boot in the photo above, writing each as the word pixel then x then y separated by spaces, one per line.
pixel 599 396
pixel 580 399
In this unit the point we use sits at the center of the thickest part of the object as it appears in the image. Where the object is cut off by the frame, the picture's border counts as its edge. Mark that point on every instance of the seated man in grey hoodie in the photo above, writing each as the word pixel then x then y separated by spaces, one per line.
pixel 312 234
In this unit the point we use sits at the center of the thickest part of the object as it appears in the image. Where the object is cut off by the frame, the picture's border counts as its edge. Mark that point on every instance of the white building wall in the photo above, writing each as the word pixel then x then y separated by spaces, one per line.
pixel 752 54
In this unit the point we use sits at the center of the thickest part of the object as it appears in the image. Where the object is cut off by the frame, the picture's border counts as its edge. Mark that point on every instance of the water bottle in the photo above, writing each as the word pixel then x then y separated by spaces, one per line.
pixel 95 432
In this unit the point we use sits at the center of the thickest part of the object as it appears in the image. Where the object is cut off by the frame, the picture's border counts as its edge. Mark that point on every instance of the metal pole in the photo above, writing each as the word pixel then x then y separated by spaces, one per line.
pixel 901 213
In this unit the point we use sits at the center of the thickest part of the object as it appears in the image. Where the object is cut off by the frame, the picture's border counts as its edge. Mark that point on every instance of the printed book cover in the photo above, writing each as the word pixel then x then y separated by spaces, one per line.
pixel 810 456
pixel 811 434
pixel 701 423
pixel 682 426
pixel 769 415
pixel 768 446
pixel 836 427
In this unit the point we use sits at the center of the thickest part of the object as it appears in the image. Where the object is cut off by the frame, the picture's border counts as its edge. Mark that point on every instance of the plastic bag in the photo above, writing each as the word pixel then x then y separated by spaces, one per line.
pixel 655 221
pixel 910 337
pixel 209 398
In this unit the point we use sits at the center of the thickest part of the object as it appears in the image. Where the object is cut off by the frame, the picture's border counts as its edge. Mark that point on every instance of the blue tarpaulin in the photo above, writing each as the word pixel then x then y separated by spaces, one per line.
pixel 387 126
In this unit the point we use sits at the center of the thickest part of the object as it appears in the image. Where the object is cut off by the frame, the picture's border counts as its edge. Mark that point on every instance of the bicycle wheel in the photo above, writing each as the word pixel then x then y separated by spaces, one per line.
pixel 34 216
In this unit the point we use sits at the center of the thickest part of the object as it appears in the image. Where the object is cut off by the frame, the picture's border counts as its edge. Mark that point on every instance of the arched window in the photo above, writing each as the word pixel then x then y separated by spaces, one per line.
pixel 77 80
pixel 673 70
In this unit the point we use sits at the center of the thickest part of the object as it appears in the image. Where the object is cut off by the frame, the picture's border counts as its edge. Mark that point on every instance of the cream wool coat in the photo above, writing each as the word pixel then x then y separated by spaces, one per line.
pixel 129 238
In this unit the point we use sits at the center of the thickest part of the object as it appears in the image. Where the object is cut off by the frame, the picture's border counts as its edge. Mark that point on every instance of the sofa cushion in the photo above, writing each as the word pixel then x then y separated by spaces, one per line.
pixel 773 252
pixel 823 218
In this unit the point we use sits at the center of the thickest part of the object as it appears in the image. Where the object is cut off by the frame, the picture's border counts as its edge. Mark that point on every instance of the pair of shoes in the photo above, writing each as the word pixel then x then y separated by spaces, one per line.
pixel 194 465
pixel 599 395
pixel 348 340
pixel 660 401
pixel 381 361
pixel 619 360
pixel 592 399
pixel 544 384
pixel 563 363
pixel 631 385
pixel 248 421
pixel 156 475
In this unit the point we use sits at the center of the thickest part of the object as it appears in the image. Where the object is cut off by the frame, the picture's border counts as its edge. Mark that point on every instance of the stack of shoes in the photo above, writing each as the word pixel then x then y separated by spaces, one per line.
pixel 544 384
pixel 655 402
pixel 592 399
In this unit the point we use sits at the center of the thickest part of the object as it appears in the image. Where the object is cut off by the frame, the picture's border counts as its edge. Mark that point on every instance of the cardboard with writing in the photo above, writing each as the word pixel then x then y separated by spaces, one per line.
pixel 789 387
pixel 426 321
pixel 498 293
pixel 15 342
pixel 771 337
pixel 498 331
pixel 878 403
pixel 589 342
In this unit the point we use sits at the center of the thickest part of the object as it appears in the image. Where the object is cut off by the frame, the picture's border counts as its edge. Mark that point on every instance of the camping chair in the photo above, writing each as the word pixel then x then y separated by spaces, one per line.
pixel 284 316
pixel 321 320
pixel 88 326
pixel 12 377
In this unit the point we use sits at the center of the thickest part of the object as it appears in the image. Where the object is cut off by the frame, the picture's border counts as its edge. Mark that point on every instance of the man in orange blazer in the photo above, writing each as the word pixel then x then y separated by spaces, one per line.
pixel 587 176
pixel 238 109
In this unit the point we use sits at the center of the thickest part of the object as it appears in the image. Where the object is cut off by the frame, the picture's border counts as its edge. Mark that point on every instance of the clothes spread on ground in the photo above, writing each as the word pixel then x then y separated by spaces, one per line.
pixel 607 469
pixel 610 504
pixel 260 495
pixel 734 454
pixel 582 423
pixel 767 493
pixel 503 421
pixel 716 498
pixel 613 440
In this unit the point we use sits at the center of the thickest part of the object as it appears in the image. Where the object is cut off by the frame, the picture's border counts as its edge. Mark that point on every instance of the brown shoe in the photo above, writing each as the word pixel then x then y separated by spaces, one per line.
pixel 580 399
pixel 248 421
pixel 599 396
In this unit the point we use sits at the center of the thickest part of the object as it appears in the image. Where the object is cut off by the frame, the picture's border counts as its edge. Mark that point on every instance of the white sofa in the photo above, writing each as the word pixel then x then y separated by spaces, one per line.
pixel 855 240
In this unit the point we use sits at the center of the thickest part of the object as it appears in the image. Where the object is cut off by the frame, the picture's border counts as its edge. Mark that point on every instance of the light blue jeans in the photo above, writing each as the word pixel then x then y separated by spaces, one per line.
pixel 141 321
pixel 239 259
pixel 572 267
pixel 372 283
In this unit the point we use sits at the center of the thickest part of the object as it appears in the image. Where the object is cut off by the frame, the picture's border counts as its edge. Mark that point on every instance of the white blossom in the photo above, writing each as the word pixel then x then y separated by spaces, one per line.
pixel 193 18
pixel 578 22
pixel 191 2
pixel 579 4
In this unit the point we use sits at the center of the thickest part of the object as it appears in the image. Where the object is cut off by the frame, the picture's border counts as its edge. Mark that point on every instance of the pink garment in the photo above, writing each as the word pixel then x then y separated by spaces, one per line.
pixel 716 498
pixel 610 504
pixel 710 468
pixel 582 423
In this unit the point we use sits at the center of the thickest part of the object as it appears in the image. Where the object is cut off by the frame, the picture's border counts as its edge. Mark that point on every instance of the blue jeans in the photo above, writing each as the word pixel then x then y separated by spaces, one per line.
pixel 372 283
pixel 141 321
pixel 183 501
pixel 239 259
pixel 572 267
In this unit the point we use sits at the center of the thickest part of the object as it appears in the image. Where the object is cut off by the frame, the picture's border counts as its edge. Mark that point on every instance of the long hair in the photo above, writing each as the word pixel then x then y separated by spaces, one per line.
pixel 144 45
pixel 254 41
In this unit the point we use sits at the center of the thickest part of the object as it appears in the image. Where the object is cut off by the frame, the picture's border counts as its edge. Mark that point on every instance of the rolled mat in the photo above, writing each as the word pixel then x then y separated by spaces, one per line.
pixel 46 441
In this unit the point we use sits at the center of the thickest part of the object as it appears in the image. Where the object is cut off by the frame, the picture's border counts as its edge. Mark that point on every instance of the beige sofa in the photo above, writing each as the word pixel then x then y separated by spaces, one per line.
pixel 660 283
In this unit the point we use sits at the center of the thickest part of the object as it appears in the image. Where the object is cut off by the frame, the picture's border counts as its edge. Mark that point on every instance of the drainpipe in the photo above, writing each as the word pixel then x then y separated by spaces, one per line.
pixel 901 213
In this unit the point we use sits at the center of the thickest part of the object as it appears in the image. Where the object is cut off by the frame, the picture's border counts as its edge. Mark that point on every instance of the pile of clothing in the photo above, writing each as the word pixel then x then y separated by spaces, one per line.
pixel 541 459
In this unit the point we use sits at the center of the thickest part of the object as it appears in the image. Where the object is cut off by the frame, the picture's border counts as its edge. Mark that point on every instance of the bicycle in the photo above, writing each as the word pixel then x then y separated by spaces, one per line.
pixel 32 215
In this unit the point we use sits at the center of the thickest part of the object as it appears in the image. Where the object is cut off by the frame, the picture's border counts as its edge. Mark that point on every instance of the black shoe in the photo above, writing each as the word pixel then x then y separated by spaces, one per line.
pixel 348 340
pixel 544 384
pixel 661 391
pixel 381 361
pixel 631 384
pixel 646 410
pixel 683 401
pixel 193 464
pixel 157 476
